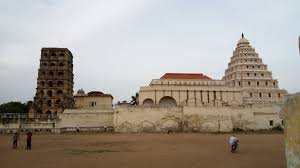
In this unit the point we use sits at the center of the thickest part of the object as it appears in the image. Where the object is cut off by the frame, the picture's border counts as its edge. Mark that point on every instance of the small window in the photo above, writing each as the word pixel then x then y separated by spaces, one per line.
pixel 271 122
pixel 49 103
pixel 253 67
pixel 45 64
pixel 239 83
pixel 60 73
pixel 61 54
pixel 269 94
pixel 250 94
pixel 247 66
pixel 257 83
pixel 254 74
pixel 266 83
pixel 45 54
pixel 61 64
pixel 274 83
pixel 258 66
pixel 50 84
pixel 249 83
pixel 52 64
pixel 260 95
pixel 51 73
pixel 248 74
pixel 262 74
pixel 282 122
pixel 53 54
pixel 278 95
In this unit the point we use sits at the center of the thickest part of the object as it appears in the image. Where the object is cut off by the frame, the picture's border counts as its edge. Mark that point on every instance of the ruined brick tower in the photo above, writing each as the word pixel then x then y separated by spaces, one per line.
pixel 54 90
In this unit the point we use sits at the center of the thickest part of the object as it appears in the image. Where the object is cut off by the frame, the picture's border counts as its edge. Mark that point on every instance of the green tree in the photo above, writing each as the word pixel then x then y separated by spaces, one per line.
pixel 15 107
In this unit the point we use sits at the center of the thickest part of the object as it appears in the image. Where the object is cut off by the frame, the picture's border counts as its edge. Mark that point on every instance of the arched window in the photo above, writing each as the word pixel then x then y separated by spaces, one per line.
pixel 250 94
pixel 42 83
pixel 52 64
pixel 49 103
pixel 45 54
pixel 53 54
pixel 60 83
pixel 48 112
pixel 59 93
pixel 45 64
pixel 49 93
pixel 61 54
pixel 43 72
pixel 257 83
pixel 148 102
pixel 58 101
pixel 61 64
pixel 41 93
pixel 269 94
pixel 50 84
pixel 60 73
pixel 51 73
pixel 260 95
pixel 167 101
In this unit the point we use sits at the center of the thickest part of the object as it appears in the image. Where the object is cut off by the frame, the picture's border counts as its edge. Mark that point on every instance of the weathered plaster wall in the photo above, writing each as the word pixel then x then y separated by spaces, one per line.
pixel 291 113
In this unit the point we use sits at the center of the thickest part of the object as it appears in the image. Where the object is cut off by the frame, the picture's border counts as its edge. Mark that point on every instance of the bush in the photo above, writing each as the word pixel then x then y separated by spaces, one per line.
pixel 278 127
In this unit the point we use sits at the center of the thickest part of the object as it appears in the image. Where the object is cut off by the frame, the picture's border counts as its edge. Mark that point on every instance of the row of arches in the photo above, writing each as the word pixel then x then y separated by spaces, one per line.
pixel 51 73
pixel 165 101
pixel 50 103
pixel 54 54
pixel 51 83
pixel 168 101
pixel 52 64
pixel 50 93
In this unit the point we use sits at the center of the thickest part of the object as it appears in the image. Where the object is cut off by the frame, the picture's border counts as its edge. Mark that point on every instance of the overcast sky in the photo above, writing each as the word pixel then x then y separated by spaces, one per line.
pixel 120 45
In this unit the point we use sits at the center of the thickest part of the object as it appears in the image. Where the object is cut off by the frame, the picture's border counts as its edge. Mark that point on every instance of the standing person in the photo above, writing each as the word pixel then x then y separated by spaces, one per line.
pixel 15 141
pixel 233 143
pixel 29 135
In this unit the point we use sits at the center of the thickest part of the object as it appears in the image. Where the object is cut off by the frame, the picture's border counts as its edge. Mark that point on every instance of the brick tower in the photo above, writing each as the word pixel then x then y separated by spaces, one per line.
pixel 54 90
pixel 247 71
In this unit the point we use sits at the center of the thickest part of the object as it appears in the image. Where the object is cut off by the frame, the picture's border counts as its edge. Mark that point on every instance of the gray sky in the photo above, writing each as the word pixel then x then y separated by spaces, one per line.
pixel 120 45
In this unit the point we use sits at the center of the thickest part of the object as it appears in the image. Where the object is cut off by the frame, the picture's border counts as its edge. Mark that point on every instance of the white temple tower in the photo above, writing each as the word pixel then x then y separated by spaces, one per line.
pixel 247 71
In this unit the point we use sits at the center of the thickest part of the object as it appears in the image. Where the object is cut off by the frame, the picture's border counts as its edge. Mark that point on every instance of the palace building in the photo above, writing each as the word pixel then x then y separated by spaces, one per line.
pixel 247 81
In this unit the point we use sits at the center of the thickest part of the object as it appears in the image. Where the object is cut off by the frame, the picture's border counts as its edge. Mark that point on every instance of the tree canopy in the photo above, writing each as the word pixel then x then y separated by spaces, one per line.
pixel 15 107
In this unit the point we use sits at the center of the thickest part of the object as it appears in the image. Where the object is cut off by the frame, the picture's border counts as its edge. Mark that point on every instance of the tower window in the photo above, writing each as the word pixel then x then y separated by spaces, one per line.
pixel 252 66
pixel 49 93
pixel 51 73
pixel 45 64
pixel 250 94
pixel 279 95
pixel 248 74
pixel 60 73
pixel 42 83
pixel 49 103
pixel 254 74
pixel 52 64
pixel 50 84
pixel 53 54
pixel 260 95
pixel 45 54
pixel 61 64
pixel 262 74
pixel 266 83
pixel 247 66
pixel 61 54
pixel 274 83
pixel 60 83
pixel 239 83
pixel 258 66
pixel 269 94
pixel 257 83
pixel 249 83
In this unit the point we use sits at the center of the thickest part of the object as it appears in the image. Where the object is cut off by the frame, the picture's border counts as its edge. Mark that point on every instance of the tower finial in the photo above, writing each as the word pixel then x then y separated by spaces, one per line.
pixel 242 35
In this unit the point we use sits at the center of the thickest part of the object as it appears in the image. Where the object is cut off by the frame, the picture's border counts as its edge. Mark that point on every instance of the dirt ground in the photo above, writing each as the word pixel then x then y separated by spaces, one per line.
pixel 143 150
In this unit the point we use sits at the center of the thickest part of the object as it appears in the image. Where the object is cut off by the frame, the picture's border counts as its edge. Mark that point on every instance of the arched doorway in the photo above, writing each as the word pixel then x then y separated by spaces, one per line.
pixel 148 102
pixel 167 101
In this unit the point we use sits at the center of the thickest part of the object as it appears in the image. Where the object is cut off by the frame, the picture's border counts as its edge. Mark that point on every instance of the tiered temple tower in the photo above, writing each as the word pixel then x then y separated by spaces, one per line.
pixel 247 71
pixel 54 90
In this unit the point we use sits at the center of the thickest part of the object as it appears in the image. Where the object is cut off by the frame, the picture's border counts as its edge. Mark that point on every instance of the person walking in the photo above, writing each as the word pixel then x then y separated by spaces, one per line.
pixel 15 141
pixel 29 135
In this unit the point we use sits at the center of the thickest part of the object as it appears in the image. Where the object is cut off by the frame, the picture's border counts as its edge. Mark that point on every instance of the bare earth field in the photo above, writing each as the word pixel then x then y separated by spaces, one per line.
pixel 143 150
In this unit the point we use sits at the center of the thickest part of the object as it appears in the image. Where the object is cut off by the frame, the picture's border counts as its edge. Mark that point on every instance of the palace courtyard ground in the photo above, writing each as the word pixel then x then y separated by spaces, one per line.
pixel 143 151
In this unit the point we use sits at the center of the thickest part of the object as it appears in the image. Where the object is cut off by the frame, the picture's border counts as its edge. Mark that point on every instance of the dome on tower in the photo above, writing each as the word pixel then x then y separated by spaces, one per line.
pixel 80 92
pixel 243 42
